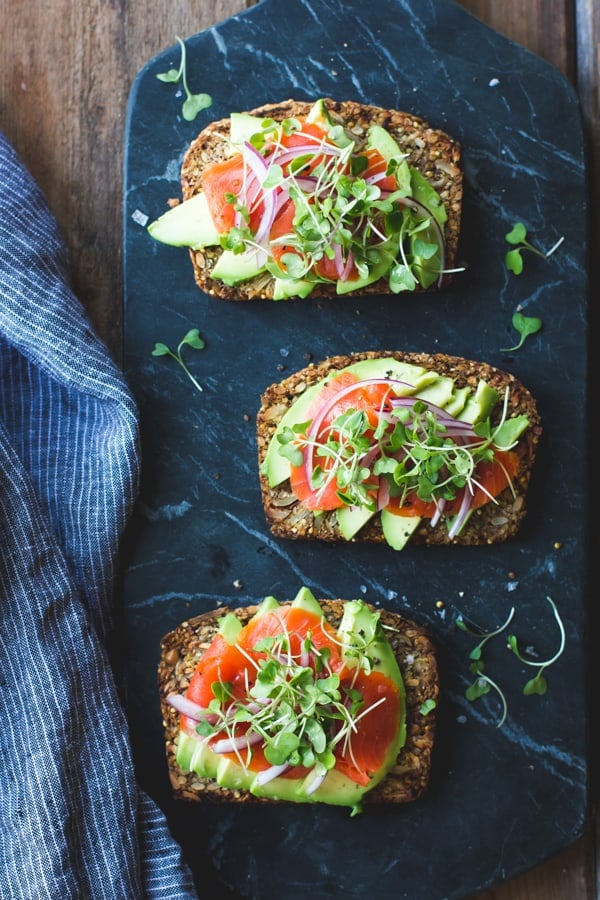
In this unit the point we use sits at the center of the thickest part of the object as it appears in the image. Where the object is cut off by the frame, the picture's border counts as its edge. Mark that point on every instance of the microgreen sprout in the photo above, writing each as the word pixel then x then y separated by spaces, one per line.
pixel 517 237
pixel 341 218
pixel 483 683
pixel 293 702
pixel 476 652
pixel 191 339
pixel 193 103
pixel 538 684
pixel 410 448
pixel 525 325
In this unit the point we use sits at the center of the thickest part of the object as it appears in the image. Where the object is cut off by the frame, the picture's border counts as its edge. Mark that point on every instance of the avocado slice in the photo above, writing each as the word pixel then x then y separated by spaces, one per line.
pixel 275 467
pixel 231 268
pixel 480 404
pixel 244 125
pixel 377 271
pixel 286 287
pixel 351 519
pixel 359 626
pixel 398 529
pixel 382 141
pixel 305 599
pixel 462 403
pixel 439 392
pixel 319 115
pixel 189 224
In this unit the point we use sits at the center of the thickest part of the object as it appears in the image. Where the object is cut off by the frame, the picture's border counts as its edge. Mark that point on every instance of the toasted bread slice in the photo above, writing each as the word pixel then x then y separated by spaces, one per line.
pixel 431 151
pixel 182 649
pixel 491 523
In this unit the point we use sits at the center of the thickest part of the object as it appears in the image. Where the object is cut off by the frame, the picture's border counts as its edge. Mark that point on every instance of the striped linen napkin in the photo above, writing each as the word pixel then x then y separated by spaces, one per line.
pixel 73 823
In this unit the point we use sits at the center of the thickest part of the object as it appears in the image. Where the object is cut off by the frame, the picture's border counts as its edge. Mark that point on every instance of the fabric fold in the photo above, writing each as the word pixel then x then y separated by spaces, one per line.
pixel 73 822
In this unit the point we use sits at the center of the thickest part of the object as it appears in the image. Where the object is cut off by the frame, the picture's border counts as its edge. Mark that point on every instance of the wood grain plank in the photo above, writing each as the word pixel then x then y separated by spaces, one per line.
pixel 546 27
pixel 65 76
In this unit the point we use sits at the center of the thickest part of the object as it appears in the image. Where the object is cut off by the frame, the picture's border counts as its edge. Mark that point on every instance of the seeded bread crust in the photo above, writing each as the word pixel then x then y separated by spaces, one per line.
pixel 182 649
pixel 433 152
pixel 490 524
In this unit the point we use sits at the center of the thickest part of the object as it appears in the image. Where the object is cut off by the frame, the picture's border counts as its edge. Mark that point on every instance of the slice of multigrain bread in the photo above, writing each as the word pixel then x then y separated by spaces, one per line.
pixel 182 649
pixel 492 523
pixel 434 153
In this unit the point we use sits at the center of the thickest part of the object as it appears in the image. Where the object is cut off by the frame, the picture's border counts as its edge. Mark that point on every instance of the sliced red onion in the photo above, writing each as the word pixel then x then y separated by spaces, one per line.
pixel 439 510
pixel 288 155
pixel 269 774
pixel 228 745
pixel 316 423
pixel 347 271
pixel 315 782
pixel 383 494
pixel 260 168
pixel 349 389
pixel 191 710
pixel 376 177
pixel 306 183
pixel 461 515
pixel 338 259
pixel 453 424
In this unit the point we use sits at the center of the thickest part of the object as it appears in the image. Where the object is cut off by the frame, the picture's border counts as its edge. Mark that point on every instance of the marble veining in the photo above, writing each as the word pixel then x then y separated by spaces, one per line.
pixel 512 795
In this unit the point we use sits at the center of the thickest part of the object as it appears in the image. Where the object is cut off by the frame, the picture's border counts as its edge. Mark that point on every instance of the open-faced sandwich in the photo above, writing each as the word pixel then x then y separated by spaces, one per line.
pixel 328 198
pixel 397 447
pixel 311 701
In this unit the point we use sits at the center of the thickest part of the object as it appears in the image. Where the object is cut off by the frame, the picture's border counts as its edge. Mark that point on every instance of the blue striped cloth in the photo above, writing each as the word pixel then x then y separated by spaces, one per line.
pixel 73 823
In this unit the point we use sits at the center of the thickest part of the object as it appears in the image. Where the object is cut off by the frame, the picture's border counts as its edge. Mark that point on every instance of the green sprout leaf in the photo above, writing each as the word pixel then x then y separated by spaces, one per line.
pixel 514 261
pixel 525 325
pixel 191 339
pixel 483 684
pixel 517 234
pixel 538 684
pixel 171 77
pixel 297 705
pixel 517 238
pixel 193 103
pixel 427 706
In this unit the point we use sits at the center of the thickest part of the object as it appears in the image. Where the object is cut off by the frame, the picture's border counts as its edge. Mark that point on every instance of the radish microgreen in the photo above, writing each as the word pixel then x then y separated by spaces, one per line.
pixel 193 103
pixel 525 325
pixel 191 339
pixel 483 683
pixel 410 448
pixel 295 705
pixel 538 684
pixel 517 237
pixel 339 216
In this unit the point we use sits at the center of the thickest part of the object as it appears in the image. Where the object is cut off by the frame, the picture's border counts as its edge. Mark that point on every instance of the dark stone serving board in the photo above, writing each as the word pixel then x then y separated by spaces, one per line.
pixel 500 799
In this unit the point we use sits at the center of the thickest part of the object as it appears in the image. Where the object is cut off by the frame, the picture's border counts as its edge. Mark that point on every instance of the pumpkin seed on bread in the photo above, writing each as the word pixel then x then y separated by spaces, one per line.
pixel 405 447
pixel 332 197
pixel 184 663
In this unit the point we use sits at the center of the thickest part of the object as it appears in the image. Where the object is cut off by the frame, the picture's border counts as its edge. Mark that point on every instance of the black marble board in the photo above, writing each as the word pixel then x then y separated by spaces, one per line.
pixel 500 799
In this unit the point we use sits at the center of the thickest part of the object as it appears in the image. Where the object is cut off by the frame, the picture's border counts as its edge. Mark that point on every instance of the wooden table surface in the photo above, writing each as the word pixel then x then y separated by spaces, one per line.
pixel 65 72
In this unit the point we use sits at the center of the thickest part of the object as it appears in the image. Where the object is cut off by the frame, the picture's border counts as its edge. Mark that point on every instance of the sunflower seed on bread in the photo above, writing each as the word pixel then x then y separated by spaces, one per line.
pixel 495 521
pixel 183 648
pixel 428 150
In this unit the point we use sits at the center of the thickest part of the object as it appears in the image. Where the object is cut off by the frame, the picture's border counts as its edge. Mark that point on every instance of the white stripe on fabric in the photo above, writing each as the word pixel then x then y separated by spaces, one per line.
pixel 73 823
